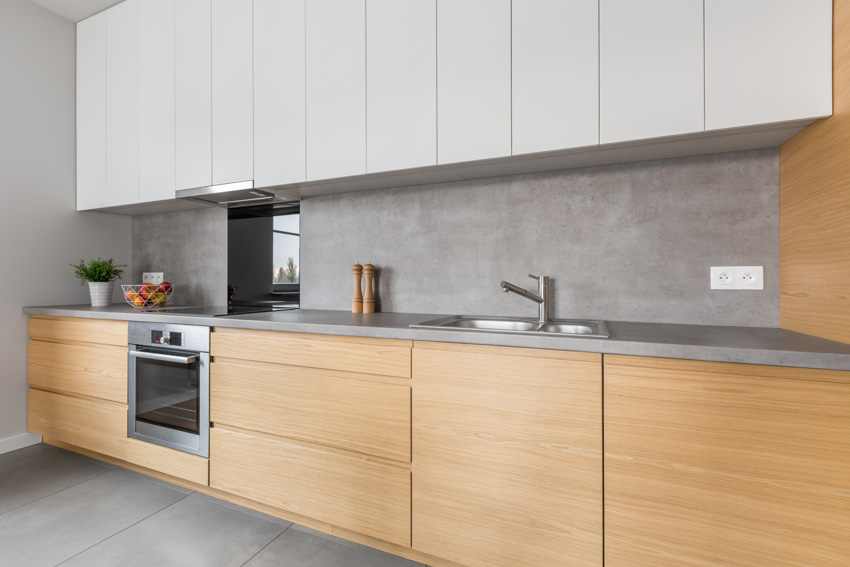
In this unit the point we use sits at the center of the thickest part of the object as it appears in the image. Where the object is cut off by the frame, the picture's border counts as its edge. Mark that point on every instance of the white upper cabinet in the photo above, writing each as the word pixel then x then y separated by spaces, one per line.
pixel 336 88
pixel 651 69
pixel 122 104
pixel 193 94
pixel 91 113
pixel 767 61
pixel 156 100
pixel 555 74
pixel 232 91
pixel 401 84
pixel 279 99
pixel 473 79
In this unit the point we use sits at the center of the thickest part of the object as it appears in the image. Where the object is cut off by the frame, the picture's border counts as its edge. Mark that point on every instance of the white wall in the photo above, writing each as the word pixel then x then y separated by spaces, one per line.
pixel 40 232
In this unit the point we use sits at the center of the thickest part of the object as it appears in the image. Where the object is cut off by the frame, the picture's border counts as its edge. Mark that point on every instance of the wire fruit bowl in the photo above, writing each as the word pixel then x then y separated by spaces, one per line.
pixel 147 295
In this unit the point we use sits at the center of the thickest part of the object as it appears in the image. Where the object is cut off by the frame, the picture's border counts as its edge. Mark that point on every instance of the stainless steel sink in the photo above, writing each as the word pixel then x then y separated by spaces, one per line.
pixel 590 329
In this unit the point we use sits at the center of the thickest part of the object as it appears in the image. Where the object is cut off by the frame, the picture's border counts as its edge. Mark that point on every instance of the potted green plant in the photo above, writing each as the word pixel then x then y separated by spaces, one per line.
pixel 100 275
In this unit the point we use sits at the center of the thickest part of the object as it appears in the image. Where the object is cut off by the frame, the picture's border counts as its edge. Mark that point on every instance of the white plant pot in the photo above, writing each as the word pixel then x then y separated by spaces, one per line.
pixel 101 293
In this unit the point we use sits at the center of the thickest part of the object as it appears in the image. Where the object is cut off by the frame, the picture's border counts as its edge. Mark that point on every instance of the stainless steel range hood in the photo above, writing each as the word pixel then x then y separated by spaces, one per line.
pixel 229 195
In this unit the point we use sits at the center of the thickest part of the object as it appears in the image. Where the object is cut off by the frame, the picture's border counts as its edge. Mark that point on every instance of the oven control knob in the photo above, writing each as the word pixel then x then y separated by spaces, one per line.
pixel 164 340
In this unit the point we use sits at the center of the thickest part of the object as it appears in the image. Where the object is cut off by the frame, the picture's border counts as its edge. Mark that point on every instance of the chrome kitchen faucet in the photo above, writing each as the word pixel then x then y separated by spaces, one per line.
pixel 542 299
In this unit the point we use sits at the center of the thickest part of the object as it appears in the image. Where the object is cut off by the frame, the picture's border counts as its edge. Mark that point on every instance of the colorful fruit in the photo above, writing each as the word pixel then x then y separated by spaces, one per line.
pixel 131 295
pixel 146 289
pixel 164 287
pixel 158 298
pixel 139 301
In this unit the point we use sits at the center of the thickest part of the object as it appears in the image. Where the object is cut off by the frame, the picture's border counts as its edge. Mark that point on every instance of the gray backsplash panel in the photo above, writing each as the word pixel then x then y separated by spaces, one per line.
pixel 190 247
pixel 626 242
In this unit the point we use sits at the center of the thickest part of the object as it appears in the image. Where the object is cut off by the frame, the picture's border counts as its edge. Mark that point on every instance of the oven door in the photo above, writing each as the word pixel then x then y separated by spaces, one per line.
pixel 169 393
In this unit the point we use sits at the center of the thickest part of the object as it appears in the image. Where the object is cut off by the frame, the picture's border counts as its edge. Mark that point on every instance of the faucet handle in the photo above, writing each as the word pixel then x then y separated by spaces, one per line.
pixel 534 277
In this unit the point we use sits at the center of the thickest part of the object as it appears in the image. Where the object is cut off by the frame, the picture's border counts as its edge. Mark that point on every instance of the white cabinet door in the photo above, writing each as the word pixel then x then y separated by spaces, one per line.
pixel 651 69
pixel 336 88
pixel 232 91
pixel 122 104
pixel 473 79
pixel 193 93
pixel 767 61
pixel 156 100
pixel 401 84
pixel 555 76
pixel 91 113
pixel 279 100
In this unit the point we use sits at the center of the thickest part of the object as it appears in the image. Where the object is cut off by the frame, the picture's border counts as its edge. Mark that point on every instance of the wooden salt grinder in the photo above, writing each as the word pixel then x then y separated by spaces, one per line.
pixel 368 295
pixel 357 300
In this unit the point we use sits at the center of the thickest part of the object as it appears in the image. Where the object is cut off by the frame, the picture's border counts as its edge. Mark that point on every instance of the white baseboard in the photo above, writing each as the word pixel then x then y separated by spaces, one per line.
pixel 10 444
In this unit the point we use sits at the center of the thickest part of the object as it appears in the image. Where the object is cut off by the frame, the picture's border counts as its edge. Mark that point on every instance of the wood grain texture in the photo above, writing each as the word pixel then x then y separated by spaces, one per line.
pixel 511 351
pixel 507 459
pixel 168 461
pixel 783 372
pixel 814 208
pixel 304 403
pixel 711 469
pixel 97 425
pixel 387 357
pixel 96 371
pixel 71 329
pixel 350 491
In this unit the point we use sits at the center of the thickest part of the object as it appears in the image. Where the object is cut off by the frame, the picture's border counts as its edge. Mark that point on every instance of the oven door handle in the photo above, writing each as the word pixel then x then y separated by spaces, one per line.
pixel 164 357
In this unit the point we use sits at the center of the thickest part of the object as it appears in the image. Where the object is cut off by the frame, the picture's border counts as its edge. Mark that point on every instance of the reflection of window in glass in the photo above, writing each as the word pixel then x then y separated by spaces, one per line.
pixel 287 240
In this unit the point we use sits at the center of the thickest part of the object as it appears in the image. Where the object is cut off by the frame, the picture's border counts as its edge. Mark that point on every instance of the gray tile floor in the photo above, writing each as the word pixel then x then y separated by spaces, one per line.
pixel 60 508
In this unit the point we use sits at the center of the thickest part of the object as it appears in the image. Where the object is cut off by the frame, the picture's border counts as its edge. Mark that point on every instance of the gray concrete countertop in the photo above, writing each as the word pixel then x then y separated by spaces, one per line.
pixel 749 345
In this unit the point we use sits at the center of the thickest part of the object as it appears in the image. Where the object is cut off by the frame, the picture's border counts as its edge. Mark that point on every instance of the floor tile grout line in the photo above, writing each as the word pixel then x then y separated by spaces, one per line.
pixel 274 539
pixel 125 529
pixel 107 471
pixel 243 509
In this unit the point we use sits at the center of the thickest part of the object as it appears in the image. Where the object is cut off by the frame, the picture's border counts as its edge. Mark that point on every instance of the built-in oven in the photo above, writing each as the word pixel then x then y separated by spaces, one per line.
pixel 169 386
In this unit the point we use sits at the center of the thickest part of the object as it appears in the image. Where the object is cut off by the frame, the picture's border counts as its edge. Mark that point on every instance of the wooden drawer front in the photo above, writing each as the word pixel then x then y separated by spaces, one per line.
pixel 99 426
pixel 70 329
pixel 314 405
pixel 710 468
pixel 507 459
pixel 168 461
pixel 343 489
pixel 96 371
pixel 385 357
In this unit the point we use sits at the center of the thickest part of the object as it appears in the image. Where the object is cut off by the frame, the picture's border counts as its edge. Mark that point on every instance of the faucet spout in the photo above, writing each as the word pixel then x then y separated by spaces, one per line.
pixel 509 287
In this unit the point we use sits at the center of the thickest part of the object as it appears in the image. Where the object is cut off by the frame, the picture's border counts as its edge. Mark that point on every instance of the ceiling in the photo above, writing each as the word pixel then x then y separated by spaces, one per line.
pixel 76 10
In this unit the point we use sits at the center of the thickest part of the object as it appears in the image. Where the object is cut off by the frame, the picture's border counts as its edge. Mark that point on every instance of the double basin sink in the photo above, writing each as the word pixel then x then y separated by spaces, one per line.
pixel 563 327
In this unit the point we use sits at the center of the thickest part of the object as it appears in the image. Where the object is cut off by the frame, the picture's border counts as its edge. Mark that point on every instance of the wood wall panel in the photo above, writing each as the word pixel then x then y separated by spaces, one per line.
pixel 708 468
pixel 814 210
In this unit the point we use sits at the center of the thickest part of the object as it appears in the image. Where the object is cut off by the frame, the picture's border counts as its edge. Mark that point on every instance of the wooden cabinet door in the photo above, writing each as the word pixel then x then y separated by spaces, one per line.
pixel 279 99
pixel 355 492
pixel 336 88
pixel 473 79
pixel 767 61
pixel 193 92
pixel 555 74
pixel 507 456
pixel 98 371
pixel 156 101
pixel 122 104
pixel 232 91
pixel 725 465
pixel 651 69
pixel 401 84
pixel 91 112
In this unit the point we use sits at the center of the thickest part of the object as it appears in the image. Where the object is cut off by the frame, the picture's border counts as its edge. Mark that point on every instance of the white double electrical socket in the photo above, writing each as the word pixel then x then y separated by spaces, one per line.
pixel 737 277
pixel 154 278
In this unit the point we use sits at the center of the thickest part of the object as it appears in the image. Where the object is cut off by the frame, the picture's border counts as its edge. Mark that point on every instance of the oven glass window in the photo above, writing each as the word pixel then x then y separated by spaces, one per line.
pixel 168 394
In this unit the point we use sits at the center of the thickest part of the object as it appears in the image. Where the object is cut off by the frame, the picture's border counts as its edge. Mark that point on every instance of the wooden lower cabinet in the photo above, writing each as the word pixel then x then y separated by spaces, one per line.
pixel 725 465
pixel 95 371
pixel 353 491
pixel 507 456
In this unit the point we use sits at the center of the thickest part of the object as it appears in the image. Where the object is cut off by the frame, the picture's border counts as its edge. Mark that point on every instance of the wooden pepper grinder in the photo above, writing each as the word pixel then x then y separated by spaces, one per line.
pixel 357 300
pixel 368 296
